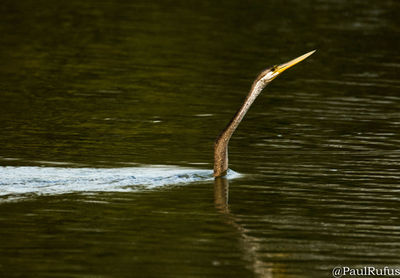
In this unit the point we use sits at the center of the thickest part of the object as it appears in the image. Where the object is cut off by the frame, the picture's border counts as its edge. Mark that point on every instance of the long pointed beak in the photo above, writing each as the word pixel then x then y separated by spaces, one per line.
pixel 281 68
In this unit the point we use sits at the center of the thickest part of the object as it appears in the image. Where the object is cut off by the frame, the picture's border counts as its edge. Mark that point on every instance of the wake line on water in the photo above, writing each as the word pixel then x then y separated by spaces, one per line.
pixel 32 180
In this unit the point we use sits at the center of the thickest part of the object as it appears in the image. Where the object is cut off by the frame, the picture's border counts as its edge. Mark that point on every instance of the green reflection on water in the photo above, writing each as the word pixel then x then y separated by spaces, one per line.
pixel 113 82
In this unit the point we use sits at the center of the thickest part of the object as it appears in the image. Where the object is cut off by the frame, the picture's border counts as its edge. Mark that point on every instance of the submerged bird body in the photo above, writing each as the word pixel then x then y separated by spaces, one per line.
pixel 262 80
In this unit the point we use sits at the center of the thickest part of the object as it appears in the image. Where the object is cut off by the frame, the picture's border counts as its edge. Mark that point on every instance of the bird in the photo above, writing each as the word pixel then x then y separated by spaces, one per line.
pixel 262 80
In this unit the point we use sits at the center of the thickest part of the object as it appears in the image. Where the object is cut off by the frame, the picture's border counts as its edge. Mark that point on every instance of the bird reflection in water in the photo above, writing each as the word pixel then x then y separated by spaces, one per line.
pixel 250 245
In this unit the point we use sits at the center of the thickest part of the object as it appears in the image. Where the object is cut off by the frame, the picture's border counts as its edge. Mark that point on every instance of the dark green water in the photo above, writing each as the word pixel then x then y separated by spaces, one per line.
pixel 111 84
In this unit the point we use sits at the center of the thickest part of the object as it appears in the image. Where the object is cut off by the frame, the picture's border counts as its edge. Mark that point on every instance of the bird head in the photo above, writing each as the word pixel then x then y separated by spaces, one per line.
pixel 271 73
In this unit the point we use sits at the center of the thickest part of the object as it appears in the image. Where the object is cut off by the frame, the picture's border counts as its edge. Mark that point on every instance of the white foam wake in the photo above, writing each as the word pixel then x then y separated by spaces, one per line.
pixel 57 180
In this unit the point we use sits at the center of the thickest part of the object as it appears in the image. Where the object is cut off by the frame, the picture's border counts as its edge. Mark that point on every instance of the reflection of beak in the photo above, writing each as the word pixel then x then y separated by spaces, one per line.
pixel 281 68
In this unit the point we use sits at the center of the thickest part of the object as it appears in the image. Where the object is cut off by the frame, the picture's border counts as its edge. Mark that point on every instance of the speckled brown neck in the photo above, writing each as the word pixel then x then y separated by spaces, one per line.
pixel 221 144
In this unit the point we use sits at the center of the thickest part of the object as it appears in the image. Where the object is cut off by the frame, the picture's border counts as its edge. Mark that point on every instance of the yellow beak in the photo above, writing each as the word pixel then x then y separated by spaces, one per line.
pixel 281 68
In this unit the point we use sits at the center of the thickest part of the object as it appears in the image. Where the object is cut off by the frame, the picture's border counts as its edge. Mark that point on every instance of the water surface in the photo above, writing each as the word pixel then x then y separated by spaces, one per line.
pixel 93 92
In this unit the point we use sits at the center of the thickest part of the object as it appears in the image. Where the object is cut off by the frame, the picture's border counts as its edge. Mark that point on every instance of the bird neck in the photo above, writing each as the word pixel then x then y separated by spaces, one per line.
pixel 221 144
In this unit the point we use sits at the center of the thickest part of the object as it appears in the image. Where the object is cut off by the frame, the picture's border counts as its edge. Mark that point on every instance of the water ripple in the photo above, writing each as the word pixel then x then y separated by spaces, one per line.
pixel 17 181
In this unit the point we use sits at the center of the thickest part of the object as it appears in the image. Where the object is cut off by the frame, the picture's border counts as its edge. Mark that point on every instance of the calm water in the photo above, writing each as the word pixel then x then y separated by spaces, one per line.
pixel 109 110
